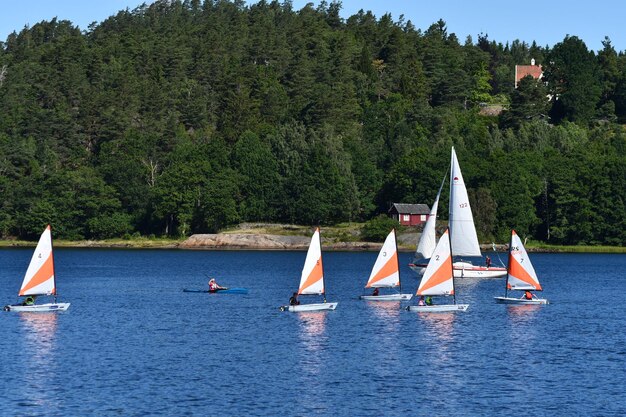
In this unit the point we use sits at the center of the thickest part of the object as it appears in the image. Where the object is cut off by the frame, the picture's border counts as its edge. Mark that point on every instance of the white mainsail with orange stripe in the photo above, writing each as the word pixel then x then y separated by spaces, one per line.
pixel 312 279
pixel 438 278
pixel 386 271
pixel 521 274
pixel 39 278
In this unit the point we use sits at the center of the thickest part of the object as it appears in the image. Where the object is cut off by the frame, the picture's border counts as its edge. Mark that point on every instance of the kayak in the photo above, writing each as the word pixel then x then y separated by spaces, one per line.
pixel 235 290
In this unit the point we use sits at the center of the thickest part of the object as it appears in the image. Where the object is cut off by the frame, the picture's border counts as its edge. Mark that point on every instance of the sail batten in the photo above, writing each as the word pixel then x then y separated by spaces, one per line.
pixel 385 273
pixel 312 278
pixel 39 277
pixel 464 241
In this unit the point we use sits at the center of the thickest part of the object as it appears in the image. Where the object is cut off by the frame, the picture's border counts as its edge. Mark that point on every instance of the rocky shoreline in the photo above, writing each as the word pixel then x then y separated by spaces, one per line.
pixel 245 241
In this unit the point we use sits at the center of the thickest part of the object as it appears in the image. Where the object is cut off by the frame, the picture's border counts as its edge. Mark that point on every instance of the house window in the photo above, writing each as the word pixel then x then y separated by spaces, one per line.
pixel 423 218
pixel 406 217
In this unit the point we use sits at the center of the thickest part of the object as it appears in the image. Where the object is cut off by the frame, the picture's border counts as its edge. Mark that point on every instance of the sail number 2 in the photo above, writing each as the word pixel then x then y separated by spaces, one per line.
pixel 463 205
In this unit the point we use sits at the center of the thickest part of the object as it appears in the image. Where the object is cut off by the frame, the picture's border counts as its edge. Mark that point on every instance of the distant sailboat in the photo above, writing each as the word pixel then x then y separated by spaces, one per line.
pixel 438 280
pixel 521 275
pixel 428 238
pixel 39 279
pixel 386 272
pixel 464 241
pixel 312 278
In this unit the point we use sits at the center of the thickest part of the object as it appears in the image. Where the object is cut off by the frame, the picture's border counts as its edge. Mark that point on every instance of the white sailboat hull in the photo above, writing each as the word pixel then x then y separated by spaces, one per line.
pixel 520 301
pixel 38 308
pixel 440 308
pixel 310 307
pixel 387 297
pixel 465 270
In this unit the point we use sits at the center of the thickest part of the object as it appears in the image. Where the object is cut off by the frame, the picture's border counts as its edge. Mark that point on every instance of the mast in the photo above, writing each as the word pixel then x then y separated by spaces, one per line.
pixel 508 267
pixel 319 235
pixel 452 268
pixel 54 274
pixel 395 237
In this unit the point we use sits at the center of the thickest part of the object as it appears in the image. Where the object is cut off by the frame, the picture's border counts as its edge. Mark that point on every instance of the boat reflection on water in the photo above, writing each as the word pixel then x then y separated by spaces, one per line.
pixel 439 326
pixel 39 349
pixel 39 336
pixel 385 310
pixel 313 341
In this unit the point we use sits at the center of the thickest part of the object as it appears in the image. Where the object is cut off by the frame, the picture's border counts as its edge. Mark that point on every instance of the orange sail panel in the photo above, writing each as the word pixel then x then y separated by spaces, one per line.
pixel 521 274
pixel 438 278
pixel 39 278
pixel 312 278
pixel 385 272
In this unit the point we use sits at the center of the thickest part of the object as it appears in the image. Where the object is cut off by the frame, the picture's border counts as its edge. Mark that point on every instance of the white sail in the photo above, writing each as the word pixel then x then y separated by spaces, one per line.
pixel 438 278
pixel 428 239
pixel 521 274
pixel 39 278
pixel 312 279
pixel 461 222
pixel 385 272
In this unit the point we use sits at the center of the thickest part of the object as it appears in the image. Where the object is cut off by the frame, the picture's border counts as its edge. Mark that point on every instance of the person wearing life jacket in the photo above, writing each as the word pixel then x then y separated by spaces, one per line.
pixel 376 291
pixel 421 301
pixel 429 301
pixel 29 301
pixel 293 300
pixel 528 295
pixel 214 286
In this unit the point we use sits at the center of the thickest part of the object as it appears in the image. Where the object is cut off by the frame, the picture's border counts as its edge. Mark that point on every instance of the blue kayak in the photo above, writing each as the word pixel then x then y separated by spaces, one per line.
pixel 235 290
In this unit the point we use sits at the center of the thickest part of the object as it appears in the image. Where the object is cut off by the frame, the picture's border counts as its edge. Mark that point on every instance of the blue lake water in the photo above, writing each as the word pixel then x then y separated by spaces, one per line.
pixel 133 344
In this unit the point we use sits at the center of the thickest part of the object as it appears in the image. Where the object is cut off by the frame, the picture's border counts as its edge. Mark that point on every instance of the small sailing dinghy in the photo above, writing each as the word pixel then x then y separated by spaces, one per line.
pixel 39 279
pixel 386 272
pixel 438 279
pixel 312 278
pixel 521 275
pixel 230 290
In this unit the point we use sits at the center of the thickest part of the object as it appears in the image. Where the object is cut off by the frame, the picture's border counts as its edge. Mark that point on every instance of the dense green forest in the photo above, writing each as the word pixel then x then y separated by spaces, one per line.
pixel 188 116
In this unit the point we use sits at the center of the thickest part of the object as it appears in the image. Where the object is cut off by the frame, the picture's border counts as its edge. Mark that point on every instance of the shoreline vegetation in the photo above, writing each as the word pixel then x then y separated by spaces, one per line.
pixel 265 236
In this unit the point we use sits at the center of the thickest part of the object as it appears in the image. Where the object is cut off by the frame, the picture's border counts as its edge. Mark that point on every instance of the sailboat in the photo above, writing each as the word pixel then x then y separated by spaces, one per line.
pixel 312 278
pixel 463 236
pixel 520 274
pixel 40 278
pixel 386 272
pixel 438 279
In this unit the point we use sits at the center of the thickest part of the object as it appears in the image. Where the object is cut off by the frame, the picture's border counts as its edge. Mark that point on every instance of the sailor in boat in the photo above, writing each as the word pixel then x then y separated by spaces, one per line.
pixel 429 300
pixel 293 300
pixel 529 295
pixel 30 300
pixel 421 301
pixel 488 261
pixel 376 291
pixel 214 286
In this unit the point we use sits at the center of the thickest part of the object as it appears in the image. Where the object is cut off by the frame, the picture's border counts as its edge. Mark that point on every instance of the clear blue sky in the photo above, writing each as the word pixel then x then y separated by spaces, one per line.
pixel 546 22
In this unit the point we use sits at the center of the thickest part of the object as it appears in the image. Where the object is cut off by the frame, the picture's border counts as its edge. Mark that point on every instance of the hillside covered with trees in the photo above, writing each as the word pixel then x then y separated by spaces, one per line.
pixel 187 116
